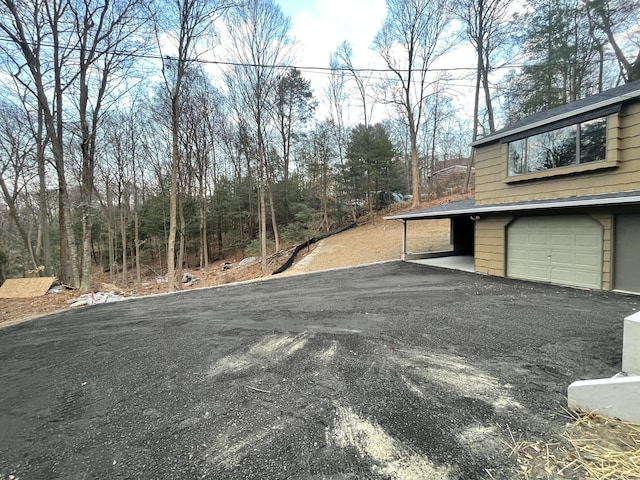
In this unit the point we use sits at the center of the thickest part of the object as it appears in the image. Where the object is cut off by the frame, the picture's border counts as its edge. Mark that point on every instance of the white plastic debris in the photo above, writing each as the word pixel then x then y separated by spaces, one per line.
pixel 94 298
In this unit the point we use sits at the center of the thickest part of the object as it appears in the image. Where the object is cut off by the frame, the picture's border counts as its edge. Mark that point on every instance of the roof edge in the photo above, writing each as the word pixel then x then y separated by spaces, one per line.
pixel 555 118
pixel 539 205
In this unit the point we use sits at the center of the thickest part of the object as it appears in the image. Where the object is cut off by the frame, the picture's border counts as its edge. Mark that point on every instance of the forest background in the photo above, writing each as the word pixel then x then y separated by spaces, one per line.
pixel 175 132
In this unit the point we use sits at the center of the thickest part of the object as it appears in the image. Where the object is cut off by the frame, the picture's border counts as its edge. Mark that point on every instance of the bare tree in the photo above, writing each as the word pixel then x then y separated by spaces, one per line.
pixel 184 23
pixel 485 23
pixel 17 166
pixel 337 99
pixel 71 50
pixel 344 56
pixel 104 30
pixel 259 42
pixel 619 21
pixel 40 54
pixel 410 40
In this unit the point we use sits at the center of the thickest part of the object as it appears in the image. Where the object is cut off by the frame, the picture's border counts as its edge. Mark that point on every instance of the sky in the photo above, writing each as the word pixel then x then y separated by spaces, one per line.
pixel 320 26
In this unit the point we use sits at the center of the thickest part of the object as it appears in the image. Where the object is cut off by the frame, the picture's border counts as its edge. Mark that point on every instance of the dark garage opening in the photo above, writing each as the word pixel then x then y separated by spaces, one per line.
pixel 463 235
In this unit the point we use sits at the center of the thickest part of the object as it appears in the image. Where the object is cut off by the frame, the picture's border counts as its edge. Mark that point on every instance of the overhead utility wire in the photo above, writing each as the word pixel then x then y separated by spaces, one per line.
pixel 150 56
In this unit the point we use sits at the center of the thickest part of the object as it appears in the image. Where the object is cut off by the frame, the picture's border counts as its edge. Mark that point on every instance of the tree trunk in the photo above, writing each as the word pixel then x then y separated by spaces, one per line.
pixel 123 239
pixel 43 200
pixel 13 213
pixel 182 247
pixel 415 169
pixel 263 227
pixel 476 113
pixel 173 196
pixel 274 223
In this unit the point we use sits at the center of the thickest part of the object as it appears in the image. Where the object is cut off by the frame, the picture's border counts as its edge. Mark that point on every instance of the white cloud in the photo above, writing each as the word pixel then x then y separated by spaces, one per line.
pixel 320 26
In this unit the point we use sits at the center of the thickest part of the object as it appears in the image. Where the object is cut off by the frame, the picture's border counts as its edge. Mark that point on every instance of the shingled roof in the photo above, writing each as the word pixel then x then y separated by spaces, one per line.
pixel 615 96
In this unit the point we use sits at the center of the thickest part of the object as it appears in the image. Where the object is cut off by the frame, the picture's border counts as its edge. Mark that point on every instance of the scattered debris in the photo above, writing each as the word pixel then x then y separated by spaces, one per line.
pixel 94 298
pixel 110 287
pixel 246 261
pixel 26 287
pixel 187 277
pixel 591 447
pixel 258 389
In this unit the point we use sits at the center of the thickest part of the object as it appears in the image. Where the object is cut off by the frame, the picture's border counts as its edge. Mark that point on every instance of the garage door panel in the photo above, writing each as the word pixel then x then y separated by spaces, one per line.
pixel 538 272
pixel 537 255
pixel 587 259
pixel 519 239
pixel 562 257
pixel 519 254
pixel 587 278
pixel 519 271
pixel 562 249
pixel 588 240
pixel 562 275
pixel 561 240
pixel 537 239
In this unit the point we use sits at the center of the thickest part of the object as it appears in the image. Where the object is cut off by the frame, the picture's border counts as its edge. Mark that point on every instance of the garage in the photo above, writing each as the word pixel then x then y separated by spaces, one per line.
pixel 559 249
pixel 627 260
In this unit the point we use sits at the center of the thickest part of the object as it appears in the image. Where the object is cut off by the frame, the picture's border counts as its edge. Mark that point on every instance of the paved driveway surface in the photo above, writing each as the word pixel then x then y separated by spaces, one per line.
pixel 394 371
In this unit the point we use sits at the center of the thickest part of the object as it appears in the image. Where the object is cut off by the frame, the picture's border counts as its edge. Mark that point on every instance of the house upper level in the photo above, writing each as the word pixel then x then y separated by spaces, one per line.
pixel 591 146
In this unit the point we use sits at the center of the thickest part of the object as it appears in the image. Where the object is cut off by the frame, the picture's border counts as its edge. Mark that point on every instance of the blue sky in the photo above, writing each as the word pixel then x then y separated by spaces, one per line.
pixel 321 25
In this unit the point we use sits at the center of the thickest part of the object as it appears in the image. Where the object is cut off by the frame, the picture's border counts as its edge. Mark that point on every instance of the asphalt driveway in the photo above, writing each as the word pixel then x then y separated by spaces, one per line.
pixel 389 371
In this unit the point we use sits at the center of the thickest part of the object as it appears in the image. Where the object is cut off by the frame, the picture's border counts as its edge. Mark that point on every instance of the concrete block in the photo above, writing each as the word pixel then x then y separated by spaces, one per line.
pixel 631 345
pixel 617 397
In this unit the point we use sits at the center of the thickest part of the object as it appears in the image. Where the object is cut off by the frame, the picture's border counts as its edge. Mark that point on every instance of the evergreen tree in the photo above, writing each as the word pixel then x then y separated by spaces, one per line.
pixel 565 57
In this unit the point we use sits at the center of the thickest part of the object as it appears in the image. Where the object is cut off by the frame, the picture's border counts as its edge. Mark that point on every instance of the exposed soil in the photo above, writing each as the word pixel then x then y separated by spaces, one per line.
pixel 367 243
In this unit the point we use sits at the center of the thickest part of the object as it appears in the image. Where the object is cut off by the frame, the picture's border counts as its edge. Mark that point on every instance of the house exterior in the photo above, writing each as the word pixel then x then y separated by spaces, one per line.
pixel 557 197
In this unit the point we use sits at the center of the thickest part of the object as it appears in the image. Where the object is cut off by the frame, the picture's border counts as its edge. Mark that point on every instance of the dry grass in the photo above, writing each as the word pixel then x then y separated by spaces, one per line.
pixel 592 447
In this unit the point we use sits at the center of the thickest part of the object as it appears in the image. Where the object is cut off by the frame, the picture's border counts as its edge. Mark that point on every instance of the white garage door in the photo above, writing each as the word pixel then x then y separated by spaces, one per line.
pixel 564 249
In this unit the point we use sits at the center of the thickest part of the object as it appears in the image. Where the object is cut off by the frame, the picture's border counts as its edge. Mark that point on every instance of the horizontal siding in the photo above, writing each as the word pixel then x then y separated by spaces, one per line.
pixel 606 221
pixel 490 245
pixel 623 146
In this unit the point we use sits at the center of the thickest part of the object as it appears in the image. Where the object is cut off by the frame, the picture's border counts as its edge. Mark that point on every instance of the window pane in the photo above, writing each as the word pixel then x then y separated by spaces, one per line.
pixel 535 153
pixel 593 141
pixel 552 149
pixel 516 157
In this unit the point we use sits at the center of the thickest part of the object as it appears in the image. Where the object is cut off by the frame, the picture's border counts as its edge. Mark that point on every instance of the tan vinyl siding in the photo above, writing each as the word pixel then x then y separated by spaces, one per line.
pixel 490 245
pixel 620 173
pixel 606 221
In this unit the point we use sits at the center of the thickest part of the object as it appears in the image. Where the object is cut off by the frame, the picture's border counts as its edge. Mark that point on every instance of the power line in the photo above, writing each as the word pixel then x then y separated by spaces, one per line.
pixel 307 68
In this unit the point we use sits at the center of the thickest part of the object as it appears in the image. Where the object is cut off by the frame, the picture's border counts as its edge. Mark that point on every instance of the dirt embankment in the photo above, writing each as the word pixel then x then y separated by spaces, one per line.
pixel 367 243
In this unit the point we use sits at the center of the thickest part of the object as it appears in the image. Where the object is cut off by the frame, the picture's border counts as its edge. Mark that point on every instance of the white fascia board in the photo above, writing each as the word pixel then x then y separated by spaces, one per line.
pixel 479 210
